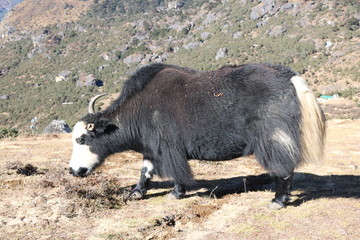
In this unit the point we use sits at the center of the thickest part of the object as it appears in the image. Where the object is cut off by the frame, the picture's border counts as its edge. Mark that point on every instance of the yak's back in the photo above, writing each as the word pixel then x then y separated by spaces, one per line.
pixel 140 79
pixel 248 77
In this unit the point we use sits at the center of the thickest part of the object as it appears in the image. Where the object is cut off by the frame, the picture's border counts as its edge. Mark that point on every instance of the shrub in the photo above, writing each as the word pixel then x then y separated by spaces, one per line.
pixel 8 133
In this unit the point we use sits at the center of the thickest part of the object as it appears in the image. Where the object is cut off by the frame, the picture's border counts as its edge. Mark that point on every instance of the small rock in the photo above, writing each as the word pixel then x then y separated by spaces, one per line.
pixel 353 166
pixel 342 231
pixel 328 44
pixel 204 35
pixel 64 73
pixel 277 31
pixel 287 6
pixel 15 221
pixel 133 58
pixel 210 18
pixel 265 7
pixel 4 97
pixel 237 35
pixel 221 53
pixel 105 56
pixel 90 81
pixel 38 40
pixel 192 45
pixel 59 79
pixel 79 28
pixel 175 4
pixel 262 23
pixel 305 21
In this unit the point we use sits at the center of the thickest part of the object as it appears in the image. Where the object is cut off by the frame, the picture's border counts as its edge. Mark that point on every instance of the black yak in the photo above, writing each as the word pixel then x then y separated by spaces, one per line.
pixel 172 114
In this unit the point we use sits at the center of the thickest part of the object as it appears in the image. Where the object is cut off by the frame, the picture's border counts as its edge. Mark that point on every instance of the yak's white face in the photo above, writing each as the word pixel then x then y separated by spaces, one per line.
pixel 83 161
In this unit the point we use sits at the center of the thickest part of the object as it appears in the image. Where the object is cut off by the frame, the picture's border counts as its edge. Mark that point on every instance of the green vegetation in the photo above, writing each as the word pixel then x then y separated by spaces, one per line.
pixel 8 133
pixel 118 29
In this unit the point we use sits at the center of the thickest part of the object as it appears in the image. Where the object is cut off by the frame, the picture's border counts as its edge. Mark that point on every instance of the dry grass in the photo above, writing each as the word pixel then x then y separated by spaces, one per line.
pixel 37 13
pixel 230 200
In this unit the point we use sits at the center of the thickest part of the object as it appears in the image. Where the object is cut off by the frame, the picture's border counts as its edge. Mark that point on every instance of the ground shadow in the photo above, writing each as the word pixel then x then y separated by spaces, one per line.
pixel 310 186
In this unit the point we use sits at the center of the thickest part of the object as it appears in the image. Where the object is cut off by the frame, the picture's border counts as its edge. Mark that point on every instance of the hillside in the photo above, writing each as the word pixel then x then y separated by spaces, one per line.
pixel 6 6
pixel 50 67
pixel 34 14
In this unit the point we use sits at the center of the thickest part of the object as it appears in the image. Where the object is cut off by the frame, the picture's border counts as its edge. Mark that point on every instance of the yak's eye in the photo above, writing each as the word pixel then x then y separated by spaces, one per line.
pixel 90 126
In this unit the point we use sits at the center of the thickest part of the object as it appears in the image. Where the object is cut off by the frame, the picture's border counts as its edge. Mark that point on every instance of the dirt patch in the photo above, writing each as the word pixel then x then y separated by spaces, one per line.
pixel 230 199
pixel 341 109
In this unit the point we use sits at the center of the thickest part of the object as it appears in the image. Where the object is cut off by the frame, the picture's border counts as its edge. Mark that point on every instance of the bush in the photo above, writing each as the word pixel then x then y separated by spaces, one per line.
pixel 352 24
pixel 8 133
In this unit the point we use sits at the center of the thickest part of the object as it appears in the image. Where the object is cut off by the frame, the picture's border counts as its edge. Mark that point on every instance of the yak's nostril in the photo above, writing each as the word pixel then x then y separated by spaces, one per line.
pixel 82 172
pixel 80 140
pixel 79 173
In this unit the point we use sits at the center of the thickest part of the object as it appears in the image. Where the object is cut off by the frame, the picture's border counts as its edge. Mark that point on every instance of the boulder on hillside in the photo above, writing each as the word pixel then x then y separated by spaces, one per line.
pixel 59 79
pixel 88 80
pixel 106 56
pixel 57 126
pixel 305 21
pixel 265 7
pixel 237 35
pixel 277 31
pixel 79 28
pixel 142 25
pixel 221 53
pixel 62 76
pixel 175 4
pixel 287 6
pixel 210 18
pixel 4 97
pixel 65 73
pixel 204 35
pixel 133 58
pixel 192 45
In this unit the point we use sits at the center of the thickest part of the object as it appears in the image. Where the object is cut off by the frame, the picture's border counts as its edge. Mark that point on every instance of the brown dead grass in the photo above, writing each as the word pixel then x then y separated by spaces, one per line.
pixel 229 202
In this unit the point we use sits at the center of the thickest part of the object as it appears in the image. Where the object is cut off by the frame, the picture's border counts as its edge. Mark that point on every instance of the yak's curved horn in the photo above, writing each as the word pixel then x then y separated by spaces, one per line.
pixel 91 108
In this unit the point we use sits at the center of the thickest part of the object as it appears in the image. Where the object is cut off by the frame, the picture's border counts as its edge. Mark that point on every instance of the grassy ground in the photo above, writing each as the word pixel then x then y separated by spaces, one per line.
pixel 229 201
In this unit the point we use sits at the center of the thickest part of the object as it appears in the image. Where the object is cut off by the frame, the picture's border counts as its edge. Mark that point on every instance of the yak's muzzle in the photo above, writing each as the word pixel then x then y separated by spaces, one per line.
pixel 81 172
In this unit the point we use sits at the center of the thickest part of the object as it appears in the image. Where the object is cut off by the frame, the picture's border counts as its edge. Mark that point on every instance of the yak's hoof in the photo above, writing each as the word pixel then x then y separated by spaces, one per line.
pixel 276 205
pixel 136 195
pixel 175 195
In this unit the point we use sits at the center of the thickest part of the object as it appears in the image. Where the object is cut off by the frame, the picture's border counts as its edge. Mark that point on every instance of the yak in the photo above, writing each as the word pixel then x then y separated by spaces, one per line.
pixel 171 114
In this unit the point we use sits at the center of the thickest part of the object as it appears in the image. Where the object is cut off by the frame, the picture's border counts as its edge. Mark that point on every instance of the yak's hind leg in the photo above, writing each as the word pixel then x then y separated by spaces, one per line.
pixel 147 173
pixel 279 152
pixel 179 191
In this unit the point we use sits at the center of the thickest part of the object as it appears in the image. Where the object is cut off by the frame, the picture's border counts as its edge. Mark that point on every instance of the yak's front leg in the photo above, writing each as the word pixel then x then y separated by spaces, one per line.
pixel 141 187
pixel 282 194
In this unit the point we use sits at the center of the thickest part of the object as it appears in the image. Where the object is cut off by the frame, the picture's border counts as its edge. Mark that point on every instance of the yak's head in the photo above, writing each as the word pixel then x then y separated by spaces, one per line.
pixel 87 135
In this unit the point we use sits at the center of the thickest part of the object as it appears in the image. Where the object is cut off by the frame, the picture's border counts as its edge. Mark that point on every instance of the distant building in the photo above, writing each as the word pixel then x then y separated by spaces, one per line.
pixel 326 97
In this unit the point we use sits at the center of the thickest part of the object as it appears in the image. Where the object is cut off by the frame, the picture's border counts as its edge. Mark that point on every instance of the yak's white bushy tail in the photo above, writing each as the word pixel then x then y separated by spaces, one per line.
pixel 313 124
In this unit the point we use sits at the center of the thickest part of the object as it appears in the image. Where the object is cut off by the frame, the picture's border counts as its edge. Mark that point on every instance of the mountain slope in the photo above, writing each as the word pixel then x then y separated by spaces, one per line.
pixel 319 39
